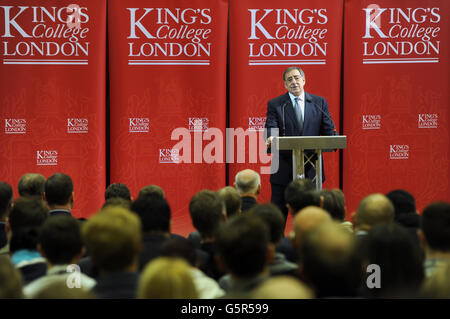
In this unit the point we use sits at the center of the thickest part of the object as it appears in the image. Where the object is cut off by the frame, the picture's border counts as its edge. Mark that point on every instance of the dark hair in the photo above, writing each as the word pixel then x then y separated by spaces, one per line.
pixel 242 242
pixel 58 189
pixel 391 248
pixel 300 194
pixel 232 199
pixel 31 184
pixel 117 201
pixel 331 263
pixel 179 247
pixel 272 216
pixel 117 190
pixel 404 202
pixel 334 204
pixel 60 239
pixel 151 189
pixel 154 212
pixel 436 225
pixel 206 209
pixel 26 219
pixel 6 197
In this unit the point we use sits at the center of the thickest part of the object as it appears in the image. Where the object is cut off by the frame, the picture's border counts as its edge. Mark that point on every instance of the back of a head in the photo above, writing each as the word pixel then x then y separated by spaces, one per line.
pixel 117 190
pixel 242 243
pixel 207 212
pixel 306 220
pixel 167 278
pixel 154 212
pixel 180 248
pixel 300 194
pixel 117 201
pixel 60 239
pixel 394 251
pixel 403 201
pixel 282 287
pixel 247 181
pixel 113 237
pixel 10 279
pixel 272 216
pixel 26 219
pixel 58 189
pixel 6 198
pixel 373 210
pixel 334 203
pixel 232 200
pixel 331 262
pixel 436 226
pixel 31 184
pixel 152 190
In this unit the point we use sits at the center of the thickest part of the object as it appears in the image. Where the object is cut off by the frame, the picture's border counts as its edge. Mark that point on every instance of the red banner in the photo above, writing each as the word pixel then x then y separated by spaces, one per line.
pixel 168 97
pixel 266 37
pixel 396 100
pixel 52 94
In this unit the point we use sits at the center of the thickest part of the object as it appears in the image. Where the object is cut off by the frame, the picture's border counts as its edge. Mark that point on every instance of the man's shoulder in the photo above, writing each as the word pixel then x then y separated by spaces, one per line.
pixel 278 99
pixel 313 97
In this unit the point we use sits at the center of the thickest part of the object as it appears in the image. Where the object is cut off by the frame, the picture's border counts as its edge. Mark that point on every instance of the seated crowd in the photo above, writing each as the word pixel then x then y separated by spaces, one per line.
pixel 127 249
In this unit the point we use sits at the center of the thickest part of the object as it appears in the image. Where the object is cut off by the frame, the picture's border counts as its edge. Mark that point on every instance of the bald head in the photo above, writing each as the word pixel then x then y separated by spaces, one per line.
pixel 283 287
pixel 373 210
pixel 248 182
pixel 306 220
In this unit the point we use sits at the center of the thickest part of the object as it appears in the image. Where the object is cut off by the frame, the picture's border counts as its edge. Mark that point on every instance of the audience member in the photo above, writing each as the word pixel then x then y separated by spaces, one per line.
pixel 300 194
pixel 330 261
pixel 282 287
pixel 154 213
pixel 60 290
pixel 151 189
pixel 232 200
pixel 304 222
pixel 31 184
pixel 167 278
pixel 6 200
pixel 10 279
pixel 390 247
pixel 405 211
pixel 59 194
pixel 117 190
pixel 273 219
pixel 334 203
pixel 208 212
pixel 27 216
pixel 114 238
pixel 435 235
pixel 248 185
pixel 374 209
pixel 61 244
pixel 207 287
pixel 244 250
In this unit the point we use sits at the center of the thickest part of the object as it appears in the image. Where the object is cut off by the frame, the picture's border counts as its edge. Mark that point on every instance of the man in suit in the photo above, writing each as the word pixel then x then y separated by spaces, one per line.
pixel 59 194
pixel 295 113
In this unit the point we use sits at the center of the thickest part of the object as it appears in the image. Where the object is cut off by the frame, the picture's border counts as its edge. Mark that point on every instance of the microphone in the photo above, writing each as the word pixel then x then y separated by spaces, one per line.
pixel 329 117
pixel 284 125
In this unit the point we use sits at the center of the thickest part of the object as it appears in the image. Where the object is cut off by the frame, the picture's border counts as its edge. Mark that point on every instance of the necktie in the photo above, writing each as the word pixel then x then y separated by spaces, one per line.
pixel 298 113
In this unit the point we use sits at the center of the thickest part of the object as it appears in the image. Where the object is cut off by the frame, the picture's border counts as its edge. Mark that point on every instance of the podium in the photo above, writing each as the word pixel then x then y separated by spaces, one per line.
pixel 300 144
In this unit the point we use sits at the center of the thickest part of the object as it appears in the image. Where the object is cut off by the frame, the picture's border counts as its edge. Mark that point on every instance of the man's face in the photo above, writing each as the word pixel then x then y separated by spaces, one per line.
pixel 294 82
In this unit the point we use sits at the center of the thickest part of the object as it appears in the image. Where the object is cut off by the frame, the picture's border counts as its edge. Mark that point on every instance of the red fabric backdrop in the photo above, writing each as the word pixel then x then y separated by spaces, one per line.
pixel 266 38
pixel 396 99
pixel 52 96
pixel 163 78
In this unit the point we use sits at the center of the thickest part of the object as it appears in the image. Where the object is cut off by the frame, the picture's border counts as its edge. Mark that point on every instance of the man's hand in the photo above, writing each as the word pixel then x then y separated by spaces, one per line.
pixel 269 141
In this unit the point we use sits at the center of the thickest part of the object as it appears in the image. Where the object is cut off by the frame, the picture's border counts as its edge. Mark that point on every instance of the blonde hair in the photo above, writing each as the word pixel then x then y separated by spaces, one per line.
pixel 113 238
pixel 167 278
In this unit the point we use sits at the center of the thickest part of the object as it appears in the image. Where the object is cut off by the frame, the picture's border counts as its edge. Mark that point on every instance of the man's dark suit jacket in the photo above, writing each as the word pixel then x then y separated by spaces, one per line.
pixel 281 115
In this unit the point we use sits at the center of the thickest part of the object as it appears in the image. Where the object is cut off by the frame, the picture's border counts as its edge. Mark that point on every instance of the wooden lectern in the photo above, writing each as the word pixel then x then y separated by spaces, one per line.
pixel 300 144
